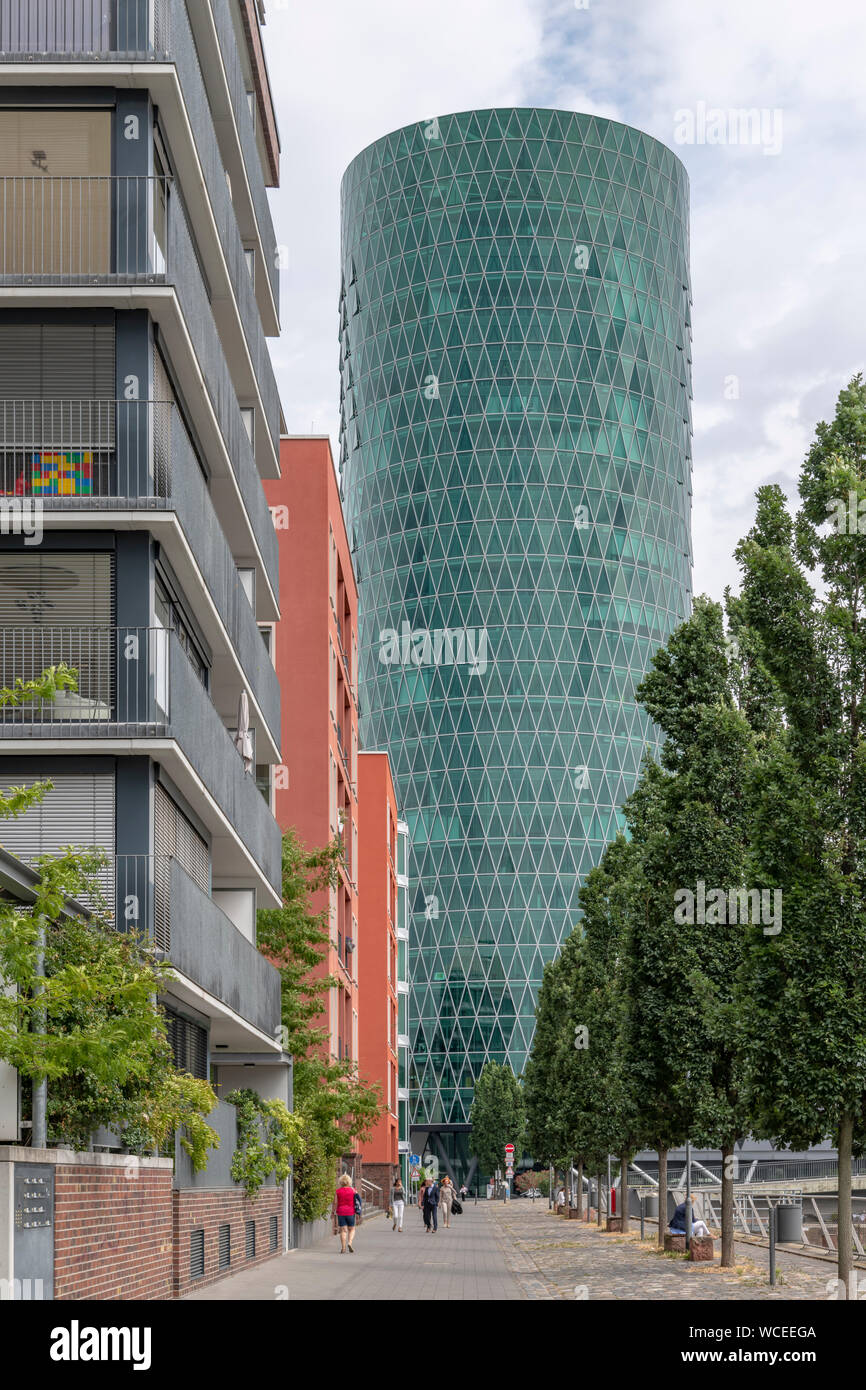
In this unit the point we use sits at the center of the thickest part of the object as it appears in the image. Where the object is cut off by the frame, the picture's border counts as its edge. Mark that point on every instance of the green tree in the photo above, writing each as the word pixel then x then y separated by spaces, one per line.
pixel 802 613
pixel 709 752
pixel 88 1022
pixel 652 975
pixel 498 1116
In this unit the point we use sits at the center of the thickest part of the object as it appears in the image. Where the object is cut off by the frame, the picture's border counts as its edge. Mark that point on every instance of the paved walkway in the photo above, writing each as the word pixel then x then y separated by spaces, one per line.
pixel 557 1259
pixel 512 1251
pixel 463 1263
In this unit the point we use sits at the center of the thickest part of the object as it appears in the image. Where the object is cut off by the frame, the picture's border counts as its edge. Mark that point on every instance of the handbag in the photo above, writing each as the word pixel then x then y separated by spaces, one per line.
pixel 457 1207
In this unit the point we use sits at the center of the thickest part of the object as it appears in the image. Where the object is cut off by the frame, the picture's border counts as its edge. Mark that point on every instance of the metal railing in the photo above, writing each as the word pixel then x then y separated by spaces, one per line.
pixel 121 679
pixel 77 452
pixel 71 229
pixel 81 29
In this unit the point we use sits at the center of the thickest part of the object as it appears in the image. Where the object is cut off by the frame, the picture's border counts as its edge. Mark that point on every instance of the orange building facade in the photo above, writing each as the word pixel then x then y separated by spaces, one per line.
pixel 315 652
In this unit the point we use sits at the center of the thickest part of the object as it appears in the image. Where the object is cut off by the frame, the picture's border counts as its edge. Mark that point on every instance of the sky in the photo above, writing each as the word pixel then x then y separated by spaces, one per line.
pixel 777 225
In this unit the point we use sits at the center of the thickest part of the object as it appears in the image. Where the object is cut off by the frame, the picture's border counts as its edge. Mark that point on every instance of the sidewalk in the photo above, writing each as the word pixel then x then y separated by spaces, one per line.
pixel 556 1259
pixel 464 1263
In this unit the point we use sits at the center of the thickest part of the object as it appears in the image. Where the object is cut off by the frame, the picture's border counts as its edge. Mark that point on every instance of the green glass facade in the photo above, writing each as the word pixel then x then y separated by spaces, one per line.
pixel 516 464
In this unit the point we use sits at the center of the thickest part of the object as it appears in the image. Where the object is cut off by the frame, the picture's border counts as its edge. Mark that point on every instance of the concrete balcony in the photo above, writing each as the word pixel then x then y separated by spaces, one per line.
pixel 138 692
pixel 42 34
pixel 180 918
pixel 87 461
pixel 65 239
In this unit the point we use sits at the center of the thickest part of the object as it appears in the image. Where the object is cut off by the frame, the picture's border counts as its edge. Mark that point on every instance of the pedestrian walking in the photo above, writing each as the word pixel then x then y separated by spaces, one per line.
pixel 447 1194
pixel 431 1206
pixel 398 1201
pixel 464 1192
pixel 347 1203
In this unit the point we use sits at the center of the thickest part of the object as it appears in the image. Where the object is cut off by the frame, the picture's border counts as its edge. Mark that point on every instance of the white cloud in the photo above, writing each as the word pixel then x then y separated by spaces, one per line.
pixel 780 295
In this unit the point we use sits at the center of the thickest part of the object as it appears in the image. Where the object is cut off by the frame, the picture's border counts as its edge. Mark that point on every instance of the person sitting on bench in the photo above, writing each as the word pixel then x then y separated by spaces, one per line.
pixel 678 1223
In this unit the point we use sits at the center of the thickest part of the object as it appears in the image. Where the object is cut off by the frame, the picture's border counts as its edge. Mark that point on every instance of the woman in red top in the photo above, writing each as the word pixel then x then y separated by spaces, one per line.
pixel 344 1213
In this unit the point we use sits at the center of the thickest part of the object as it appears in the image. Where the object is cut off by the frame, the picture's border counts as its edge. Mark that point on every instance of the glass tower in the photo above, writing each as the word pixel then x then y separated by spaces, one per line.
pixel 516 472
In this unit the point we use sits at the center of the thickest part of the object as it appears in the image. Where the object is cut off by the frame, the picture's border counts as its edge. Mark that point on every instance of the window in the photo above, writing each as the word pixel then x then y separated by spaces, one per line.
pixel 196 1254
pixel 188 1042
pixel 250 258
pixel 225 1246
pixel 263 780
pixel 168 614
pixel 79 811
pixel 174 837
pixel 57 415
pixel 59 607
pixel 251 103
pixel 58 220
pixel 249 418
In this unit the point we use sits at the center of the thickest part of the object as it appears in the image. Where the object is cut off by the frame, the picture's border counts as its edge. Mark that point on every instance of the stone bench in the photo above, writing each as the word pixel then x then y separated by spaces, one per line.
pixel 673 1242
pixel 614 1223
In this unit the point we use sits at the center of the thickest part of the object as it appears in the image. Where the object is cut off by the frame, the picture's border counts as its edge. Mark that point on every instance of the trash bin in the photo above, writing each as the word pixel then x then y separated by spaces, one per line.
pixel 789 1221
pixel 651 1208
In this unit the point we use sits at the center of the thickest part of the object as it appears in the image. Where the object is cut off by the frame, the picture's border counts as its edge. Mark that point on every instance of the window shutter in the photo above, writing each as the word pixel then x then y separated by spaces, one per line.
pixel 57 361
pixel 78 811
pixel 188 1042
pixel 57 383
pixel 275 1232
pixel 196 1254
pixel 251 1240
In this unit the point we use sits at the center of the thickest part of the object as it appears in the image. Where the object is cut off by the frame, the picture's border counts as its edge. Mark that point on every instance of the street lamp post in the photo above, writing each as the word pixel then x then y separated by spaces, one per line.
pixel 688 1194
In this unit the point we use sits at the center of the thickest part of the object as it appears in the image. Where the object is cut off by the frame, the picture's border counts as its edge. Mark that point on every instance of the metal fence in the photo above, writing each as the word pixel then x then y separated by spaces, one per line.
pixel 70 229
pixel 121 678
pixel 68 451
pixel 89 29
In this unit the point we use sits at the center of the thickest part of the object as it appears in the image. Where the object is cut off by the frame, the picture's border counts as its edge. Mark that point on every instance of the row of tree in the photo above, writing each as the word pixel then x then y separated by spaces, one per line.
pixel 716 985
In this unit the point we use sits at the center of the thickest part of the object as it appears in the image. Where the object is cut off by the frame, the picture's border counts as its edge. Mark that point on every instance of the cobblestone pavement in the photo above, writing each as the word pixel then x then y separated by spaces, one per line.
pixel 464 1263
pixel 556 1259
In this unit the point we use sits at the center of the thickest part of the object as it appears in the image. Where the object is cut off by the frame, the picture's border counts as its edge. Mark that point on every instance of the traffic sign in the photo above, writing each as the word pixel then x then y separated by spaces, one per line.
pixel 509 1148
pixel 416 1159
pixel 509 1172
pixel 414 1173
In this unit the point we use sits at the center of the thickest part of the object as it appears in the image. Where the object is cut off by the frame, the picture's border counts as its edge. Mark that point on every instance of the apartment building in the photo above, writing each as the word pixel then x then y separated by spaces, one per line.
pixel 315 647
pixel 383 947
pixel 139 416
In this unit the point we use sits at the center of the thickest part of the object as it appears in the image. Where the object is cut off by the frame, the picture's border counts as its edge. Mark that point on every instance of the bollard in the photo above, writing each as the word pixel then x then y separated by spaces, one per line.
pixel 641 1217
pixel 772 1247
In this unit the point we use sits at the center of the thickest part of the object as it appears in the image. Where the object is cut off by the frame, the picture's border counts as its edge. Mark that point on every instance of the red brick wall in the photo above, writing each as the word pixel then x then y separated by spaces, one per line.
pixel 383 1175
pixel 209 1210
pixel 112 1233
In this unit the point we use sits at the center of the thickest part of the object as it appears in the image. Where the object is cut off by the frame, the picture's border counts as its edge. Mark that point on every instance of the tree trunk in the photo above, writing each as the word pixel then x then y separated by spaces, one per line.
pixel 844 1238
pixel 663 1195
pixel 727 1205
pixel 598 1198
pixel 623 1191
pixel 579 1188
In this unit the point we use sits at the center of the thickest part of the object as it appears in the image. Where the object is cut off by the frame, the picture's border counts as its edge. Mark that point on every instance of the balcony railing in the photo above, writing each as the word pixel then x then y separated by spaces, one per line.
pixel 121 674
pixel 170 902
pixel 78 453
pixel 82 29
pixel 86 229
